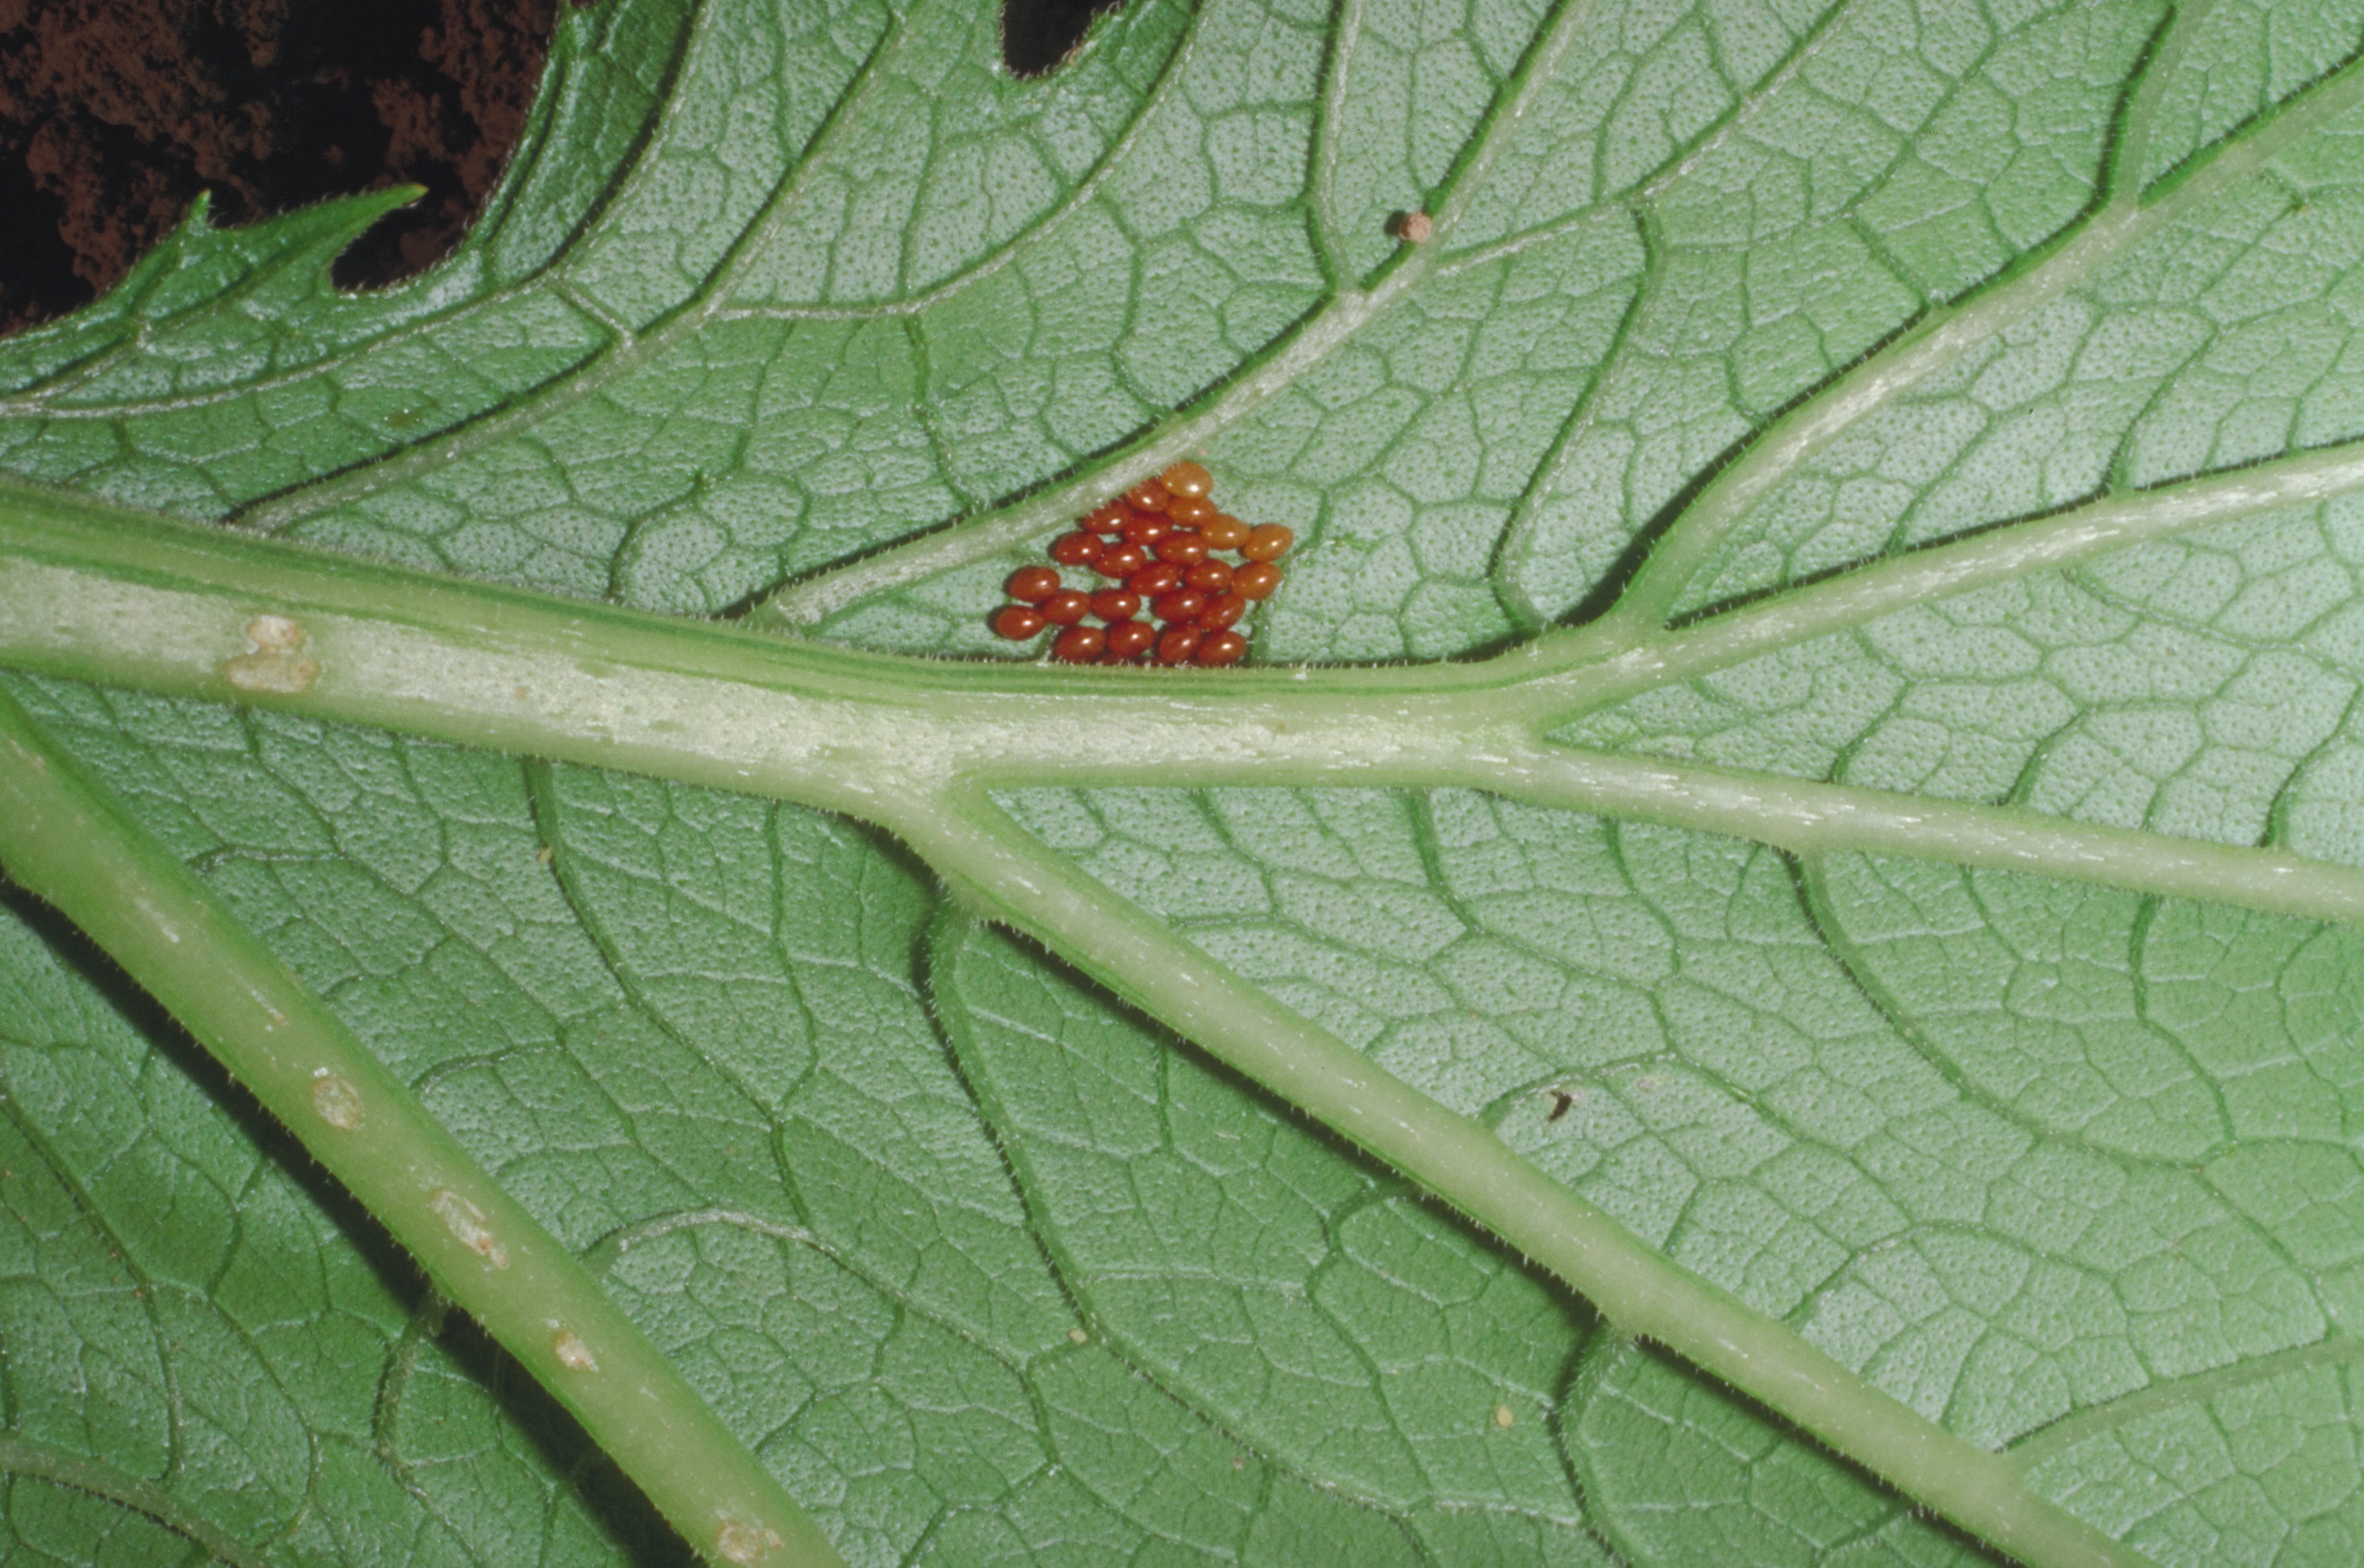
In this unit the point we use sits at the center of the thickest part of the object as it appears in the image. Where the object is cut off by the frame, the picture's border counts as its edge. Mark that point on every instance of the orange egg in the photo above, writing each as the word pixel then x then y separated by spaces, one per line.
pixel 1186 479
pixel 1222 648
pixel 1018 622
pixel 1079 644
pixel 1223 531
pixel 1256 580
pixel 1033 585
pixel 1267 542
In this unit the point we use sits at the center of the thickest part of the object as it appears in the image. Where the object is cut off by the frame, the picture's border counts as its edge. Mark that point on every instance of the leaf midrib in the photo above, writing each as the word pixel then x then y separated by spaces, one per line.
pixel 100 595
pixel 890 740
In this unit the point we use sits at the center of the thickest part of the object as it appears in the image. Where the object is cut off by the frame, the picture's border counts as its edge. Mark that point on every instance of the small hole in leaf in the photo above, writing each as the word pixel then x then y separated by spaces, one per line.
pixel 114 115
pixel 1038 34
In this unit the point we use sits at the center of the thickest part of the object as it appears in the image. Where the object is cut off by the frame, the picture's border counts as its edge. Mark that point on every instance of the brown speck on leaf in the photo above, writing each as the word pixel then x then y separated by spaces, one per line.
pixel 1414 228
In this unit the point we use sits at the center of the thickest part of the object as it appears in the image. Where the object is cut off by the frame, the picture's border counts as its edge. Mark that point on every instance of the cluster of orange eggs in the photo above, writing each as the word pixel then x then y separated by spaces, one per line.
pixel 1156 548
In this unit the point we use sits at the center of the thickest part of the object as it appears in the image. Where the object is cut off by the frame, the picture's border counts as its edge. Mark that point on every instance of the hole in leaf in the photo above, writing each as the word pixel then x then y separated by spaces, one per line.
pixel 1038 34
pixel 119 112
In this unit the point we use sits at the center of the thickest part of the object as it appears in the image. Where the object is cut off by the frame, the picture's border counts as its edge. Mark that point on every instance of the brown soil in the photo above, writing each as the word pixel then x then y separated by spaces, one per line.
pixel 114 114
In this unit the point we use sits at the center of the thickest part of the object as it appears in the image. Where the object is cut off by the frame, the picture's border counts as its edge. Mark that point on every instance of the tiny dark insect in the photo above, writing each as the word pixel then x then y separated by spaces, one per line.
pixel 1561 1100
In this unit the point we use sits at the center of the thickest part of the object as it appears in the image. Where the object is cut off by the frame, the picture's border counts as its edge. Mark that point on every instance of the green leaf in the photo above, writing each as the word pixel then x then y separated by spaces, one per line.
pixel 1762 966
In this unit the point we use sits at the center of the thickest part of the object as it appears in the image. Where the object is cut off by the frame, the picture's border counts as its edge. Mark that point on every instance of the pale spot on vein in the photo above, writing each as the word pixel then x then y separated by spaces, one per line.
pixel 337 1101
pixel 738 1542
pixel 467 1223
pixel 274 659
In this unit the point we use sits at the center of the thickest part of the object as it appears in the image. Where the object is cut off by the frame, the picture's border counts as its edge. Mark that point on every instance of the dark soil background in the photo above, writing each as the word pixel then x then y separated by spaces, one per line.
pixel 115 114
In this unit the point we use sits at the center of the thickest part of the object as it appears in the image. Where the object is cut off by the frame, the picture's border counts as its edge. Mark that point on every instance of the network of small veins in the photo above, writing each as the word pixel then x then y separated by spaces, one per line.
pixel 1158 548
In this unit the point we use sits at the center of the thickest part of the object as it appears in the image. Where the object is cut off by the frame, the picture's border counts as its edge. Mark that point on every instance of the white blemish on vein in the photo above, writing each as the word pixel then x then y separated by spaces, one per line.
pixel 740 1541
pixel 467 1222
pixel 337 1101
pixel 274 659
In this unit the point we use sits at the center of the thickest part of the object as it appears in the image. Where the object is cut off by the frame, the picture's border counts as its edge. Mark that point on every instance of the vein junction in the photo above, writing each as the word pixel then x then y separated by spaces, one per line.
pixel 913 746
pixel 847 731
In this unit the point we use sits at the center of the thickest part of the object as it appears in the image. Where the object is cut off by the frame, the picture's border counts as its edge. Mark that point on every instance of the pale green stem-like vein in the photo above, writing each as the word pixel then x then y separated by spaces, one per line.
pixel 2132 151
pixel 1940 338
pixel 1518 533
pixel 1328 244
pixel 1580 682
pixel 64 841
pixel 201 614
pixel 888 740
pixel 1010 875
pixel 1809 818
pixel 907 747
pixel 1800 816
pixel 2034 1452
pixel 19 1456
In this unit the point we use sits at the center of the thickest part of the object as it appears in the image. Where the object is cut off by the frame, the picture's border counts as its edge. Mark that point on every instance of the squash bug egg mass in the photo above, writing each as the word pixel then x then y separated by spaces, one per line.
pixel 1161 544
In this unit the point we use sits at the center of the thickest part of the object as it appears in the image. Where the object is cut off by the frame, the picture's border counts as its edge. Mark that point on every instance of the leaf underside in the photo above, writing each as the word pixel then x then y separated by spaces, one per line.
pixel 806 311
